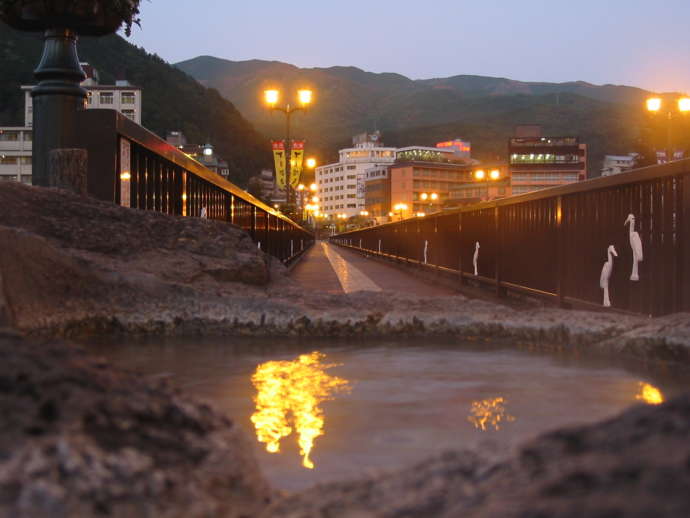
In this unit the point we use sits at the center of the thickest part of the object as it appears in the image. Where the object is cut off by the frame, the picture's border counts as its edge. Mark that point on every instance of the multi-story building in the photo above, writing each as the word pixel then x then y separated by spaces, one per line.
pixel 122 96
pixel 411 181
pixel 538 162
pixel 16 142
pixel 341 186
pixel 15 154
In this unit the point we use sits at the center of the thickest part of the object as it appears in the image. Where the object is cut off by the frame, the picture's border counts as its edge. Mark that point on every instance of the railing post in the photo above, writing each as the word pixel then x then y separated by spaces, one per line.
pixel 683 240
pixel 500 292
pixel 560 253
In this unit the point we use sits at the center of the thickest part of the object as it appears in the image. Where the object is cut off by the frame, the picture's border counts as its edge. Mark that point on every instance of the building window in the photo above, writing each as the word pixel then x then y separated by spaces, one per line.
pixel 128 113
pixel 9 136
pixel 128 98
pixel 8 160
pixel 89 98
pixel 106 98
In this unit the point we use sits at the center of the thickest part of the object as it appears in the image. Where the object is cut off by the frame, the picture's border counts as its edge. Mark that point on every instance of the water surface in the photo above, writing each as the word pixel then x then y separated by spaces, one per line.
pixel 319 413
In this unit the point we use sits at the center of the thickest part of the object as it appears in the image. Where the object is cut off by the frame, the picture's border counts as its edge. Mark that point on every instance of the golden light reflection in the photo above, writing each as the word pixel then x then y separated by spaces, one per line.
pixel 649 394
pixel 489 413
pixel 288 396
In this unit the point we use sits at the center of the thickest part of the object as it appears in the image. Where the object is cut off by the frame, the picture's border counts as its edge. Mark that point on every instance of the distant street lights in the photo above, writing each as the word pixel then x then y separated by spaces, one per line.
pixel 399 209
pixel 659 106
pixel 430 197
pixel 304 98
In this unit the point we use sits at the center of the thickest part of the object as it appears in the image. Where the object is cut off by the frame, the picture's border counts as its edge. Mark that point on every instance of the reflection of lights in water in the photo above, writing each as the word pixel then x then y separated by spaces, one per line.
pixel 489 413
pixel 649 394
pixel 288 395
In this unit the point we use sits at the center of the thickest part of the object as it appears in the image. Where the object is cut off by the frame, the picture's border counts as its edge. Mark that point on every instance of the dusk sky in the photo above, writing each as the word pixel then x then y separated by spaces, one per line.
pixel 631 42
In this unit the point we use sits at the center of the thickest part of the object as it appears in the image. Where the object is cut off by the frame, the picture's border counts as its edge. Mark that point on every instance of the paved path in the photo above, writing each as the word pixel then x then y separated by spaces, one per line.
pixel 338 270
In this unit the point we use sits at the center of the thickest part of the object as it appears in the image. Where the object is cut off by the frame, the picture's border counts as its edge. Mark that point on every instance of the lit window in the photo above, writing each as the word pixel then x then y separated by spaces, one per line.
pixel 106 98
pixel 128 98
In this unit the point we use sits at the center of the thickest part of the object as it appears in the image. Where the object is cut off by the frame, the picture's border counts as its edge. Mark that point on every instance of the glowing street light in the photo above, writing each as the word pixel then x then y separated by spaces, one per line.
pixel 654 104
pixel 311 162
pixel 479 174
pixel 495 174
pixel 684 104
pixel 660 107
pixel 300 187
pixel 305 98
pixel 421 214
pixel 313 187
pixel 364 213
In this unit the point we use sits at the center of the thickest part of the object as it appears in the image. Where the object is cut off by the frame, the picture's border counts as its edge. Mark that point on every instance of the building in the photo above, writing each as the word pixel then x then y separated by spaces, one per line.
pixel 616 164
pixel 489 182
pixel 122 96
pixel 203 154
pixel 15 154
pixel 341 185
pixel 16 142
pixel 537 162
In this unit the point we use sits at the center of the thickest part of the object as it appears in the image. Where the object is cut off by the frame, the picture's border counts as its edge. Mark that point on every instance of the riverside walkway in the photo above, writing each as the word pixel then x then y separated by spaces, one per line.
pixel 336 270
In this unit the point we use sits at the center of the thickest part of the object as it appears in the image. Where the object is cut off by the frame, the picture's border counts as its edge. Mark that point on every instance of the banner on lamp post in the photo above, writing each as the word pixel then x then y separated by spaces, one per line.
pixel 296 160
pixel 279 159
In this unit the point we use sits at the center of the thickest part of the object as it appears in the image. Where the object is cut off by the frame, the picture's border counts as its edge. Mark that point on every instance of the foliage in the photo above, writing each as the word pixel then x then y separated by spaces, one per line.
pixel 126 10
pixel 171 99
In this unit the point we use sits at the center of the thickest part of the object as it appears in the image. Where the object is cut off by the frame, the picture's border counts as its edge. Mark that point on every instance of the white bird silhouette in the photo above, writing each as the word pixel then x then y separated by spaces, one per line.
pixel 204 214
pixel 636 245
pixel 606 275
pixel 426 247
pixel 476 256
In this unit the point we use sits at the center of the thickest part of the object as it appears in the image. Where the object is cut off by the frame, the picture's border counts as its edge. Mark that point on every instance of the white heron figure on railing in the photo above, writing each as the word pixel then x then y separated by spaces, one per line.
pixel 476 257
pixel 204 213
pixel 426 248
pixel 606 275
pixel 636 245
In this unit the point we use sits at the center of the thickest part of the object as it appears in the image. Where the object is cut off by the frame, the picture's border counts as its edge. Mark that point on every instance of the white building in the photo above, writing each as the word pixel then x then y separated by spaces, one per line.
pixel 616 164
pixel 341 186
pixel 16 142
pixel 15 154
pixel 122 96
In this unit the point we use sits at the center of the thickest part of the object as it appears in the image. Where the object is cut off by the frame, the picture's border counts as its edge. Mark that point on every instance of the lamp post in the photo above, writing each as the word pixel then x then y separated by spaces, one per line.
pixel 663 107
pixel 399 208
pixel 304 99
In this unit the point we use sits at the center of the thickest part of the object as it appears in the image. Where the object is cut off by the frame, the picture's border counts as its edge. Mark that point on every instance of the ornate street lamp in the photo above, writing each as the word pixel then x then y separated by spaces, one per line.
pixel 58 96
pixel 304 98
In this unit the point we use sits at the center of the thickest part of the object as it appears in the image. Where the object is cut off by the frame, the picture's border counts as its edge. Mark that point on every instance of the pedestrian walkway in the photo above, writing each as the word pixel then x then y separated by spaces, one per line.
pixel 337 270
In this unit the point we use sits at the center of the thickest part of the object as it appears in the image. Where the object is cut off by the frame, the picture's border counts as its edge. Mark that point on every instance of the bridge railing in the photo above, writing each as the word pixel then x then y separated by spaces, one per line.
pixel 554 243
pixel 131 166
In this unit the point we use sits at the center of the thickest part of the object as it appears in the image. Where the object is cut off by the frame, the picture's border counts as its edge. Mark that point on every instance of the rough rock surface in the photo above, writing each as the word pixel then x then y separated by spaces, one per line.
pixel 74 266
pixel 78 438
pixel 636 465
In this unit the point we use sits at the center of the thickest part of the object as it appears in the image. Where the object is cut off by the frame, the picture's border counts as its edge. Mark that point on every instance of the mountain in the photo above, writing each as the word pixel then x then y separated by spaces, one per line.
pixel 172 100
pixel 484 110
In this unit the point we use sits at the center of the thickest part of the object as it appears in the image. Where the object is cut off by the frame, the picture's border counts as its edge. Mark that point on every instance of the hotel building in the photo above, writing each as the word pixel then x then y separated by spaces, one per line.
pixel 341 186
pixel 538 162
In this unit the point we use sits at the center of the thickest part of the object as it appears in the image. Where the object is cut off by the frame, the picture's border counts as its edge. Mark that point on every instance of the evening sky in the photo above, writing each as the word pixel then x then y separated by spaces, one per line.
pixel 631 42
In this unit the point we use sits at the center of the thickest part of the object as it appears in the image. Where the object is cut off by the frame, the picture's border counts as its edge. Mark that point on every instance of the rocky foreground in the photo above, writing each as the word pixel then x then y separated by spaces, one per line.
pixel 74 266
pixel 79 438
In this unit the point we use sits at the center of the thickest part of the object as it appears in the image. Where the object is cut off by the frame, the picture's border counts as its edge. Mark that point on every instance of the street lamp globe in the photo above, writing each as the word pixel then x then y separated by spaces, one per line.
pixel 654 104
pixel 304 97
pixel 479 174
pixel 424 196
pixel 271 97
pixel 313 187
pixel 684 104
pixel 433 196
pixel 495 174
pixel 311 163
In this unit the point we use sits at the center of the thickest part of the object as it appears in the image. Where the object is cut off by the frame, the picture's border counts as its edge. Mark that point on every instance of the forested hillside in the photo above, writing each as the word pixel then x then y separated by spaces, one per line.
pixel 171 99
pixel 485 110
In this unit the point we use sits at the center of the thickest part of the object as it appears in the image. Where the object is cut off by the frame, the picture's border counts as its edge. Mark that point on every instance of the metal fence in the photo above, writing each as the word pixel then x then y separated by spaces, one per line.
pixel 131 166
pixel 556 242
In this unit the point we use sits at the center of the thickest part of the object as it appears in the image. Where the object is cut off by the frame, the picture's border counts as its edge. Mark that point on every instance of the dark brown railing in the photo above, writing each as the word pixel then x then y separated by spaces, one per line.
pixel 131 166
pixel 554 243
